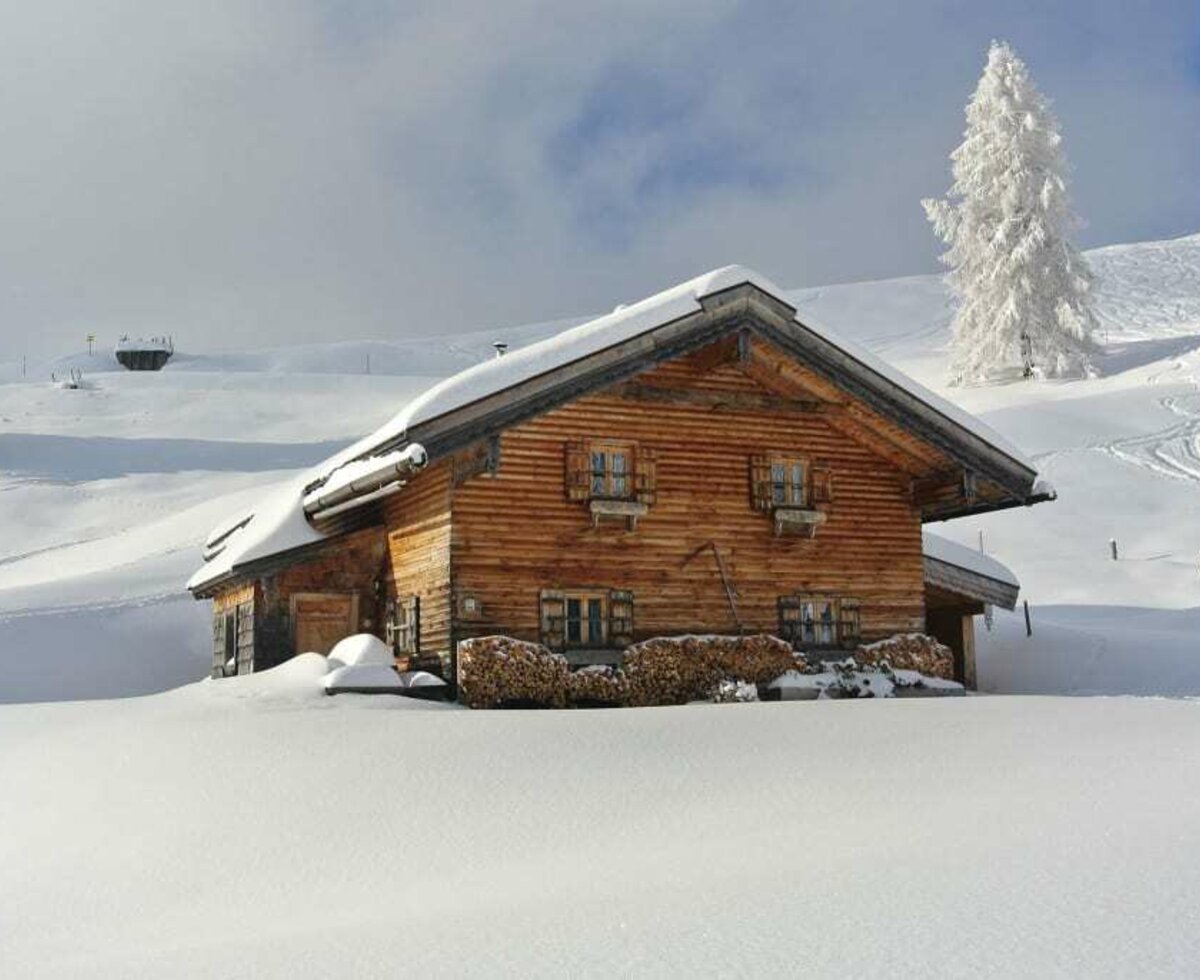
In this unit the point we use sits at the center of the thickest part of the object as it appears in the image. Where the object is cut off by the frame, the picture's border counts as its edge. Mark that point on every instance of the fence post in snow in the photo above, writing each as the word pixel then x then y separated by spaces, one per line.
pixel 1112 546
pixel 1028 624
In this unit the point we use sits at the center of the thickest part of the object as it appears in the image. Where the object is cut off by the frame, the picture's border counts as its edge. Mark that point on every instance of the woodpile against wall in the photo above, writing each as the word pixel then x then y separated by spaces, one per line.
pixel 498 670
pixel 679 669
pixel 912 651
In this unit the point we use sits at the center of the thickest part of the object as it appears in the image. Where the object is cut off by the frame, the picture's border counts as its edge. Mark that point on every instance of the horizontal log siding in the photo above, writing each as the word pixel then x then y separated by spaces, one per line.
pixel 233 596
pixel 418 534
pixel 516 533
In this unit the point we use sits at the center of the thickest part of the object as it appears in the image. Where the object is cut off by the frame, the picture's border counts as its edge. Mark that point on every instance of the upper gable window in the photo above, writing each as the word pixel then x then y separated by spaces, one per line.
pixel 789 482
pixel 611 470
pixel 788 488
pixel 611 473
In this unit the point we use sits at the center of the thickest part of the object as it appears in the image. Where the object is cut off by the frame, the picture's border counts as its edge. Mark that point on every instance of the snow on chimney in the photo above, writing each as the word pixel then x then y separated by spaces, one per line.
pixel 501 348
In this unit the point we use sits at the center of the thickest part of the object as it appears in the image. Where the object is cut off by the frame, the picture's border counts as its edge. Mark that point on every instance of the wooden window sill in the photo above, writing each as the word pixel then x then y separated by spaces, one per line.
pixel 797 520
pixel 627 510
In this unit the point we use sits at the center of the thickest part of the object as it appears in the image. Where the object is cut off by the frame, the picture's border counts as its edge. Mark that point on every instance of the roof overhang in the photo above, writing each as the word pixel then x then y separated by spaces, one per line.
pixel 970 584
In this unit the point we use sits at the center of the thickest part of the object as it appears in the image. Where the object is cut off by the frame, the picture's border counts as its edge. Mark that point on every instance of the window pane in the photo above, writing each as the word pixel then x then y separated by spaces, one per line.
pixel 595 622
pixel 574 626
pixel 827 622
pixel 620 486
pixel 618 463
pixel 807 632
pixel 598 473
pixel 797 483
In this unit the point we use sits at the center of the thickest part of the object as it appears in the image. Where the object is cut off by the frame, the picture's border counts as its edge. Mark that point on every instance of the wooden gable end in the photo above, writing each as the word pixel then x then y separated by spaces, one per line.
pixel 800 370
pixel 701 556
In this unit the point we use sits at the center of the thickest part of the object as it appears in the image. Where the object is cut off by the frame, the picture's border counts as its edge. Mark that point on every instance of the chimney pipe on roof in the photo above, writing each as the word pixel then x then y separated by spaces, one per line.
pixel 501 348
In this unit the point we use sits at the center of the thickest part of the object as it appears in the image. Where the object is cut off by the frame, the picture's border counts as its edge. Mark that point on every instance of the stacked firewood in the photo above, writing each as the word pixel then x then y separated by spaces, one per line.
pixel 498 670
pixel 910 651
pixel 597 687
pixel 678 669
pixel 756 659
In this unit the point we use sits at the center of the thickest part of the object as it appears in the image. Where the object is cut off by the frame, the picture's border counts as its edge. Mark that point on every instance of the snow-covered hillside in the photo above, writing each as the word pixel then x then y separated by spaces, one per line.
pixel 107 490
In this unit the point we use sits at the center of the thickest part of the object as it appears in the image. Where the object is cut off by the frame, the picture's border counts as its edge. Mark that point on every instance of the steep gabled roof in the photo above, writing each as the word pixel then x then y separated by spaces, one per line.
pixel 626 325
pixel 500 392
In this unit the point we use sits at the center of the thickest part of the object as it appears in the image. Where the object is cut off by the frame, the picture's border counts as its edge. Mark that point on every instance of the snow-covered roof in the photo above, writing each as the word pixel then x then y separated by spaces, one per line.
pixel 279 523
pixel 976 562
pixel 627 322
pixel 276 524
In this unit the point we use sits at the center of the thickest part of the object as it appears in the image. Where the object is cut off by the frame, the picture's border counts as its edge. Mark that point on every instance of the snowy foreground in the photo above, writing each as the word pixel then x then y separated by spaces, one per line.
pixel 233 829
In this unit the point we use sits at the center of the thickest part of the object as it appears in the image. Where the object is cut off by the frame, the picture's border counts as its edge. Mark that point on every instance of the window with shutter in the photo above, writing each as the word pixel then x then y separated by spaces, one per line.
pixel 819 621
pixel 553 619
pixel 821 485
pixel 405 626
pixel 646 468
pixel 760 483
pixel 218 661
pixel 577 479
pixel 849 626
pixel 620 618
pixel 245 637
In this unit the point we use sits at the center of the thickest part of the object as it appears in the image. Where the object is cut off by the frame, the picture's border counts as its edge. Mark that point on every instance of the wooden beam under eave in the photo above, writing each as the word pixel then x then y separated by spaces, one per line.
pixel 721 400
pixel 778 371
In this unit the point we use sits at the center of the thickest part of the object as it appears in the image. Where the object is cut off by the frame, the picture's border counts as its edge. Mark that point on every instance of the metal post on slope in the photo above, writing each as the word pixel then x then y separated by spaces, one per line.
pixel 1028 624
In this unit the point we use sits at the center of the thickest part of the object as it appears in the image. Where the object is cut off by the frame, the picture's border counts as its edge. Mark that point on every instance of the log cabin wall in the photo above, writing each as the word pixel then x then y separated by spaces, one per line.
pixel 516 533
pixel 355 564
pixel 417 522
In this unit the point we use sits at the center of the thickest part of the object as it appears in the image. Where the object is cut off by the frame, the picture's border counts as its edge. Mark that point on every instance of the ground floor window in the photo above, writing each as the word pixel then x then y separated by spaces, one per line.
pixel 819 620
pixel 404 626
pixel 586 618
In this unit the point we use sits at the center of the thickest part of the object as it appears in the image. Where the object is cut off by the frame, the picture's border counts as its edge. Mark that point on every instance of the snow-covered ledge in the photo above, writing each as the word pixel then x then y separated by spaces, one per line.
pixel 797 520
pixel 627 510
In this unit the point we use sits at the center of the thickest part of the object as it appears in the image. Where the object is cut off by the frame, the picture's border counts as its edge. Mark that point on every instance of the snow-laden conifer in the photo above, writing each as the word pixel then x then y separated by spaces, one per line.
pixel 1022 289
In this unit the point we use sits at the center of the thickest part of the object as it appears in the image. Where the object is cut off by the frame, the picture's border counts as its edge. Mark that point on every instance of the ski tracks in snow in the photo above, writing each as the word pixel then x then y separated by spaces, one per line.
pixel 1172 452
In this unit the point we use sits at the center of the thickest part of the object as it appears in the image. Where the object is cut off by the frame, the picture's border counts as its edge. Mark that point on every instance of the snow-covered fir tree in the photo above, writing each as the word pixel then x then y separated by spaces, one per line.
pixel 1022 288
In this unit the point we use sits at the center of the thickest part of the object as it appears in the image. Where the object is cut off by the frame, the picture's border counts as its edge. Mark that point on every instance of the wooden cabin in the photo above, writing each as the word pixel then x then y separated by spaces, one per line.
pixel 702 461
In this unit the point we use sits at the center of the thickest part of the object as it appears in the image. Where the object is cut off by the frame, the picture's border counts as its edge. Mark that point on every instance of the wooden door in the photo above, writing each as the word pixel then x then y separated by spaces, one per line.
pixel 320 619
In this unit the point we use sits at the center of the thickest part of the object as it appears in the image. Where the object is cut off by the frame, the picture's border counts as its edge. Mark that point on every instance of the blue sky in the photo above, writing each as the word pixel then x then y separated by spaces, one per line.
pixel 280 171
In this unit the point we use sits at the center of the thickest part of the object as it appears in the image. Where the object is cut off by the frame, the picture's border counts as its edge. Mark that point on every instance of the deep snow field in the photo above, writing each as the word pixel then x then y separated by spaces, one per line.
pixel 251 827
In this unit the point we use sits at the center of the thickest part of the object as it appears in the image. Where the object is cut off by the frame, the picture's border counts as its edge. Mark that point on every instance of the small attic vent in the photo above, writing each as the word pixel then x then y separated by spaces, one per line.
pixel 501 348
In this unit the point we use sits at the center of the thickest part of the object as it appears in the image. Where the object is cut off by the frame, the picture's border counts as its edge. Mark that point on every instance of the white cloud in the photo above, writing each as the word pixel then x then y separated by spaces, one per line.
pixel 266 172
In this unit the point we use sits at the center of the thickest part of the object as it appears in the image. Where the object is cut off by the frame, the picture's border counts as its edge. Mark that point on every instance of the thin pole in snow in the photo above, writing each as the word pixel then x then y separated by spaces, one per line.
pixel 981 551
pixel 1112 546
pixel 1028 624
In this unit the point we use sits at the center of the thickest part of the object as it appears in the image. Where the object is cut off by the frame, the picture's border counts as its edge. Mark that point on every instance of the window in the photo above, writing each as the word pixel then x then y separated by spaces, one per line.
pixel 610 471
pixel 819 621
pixel 585 621
pixel 602 469
pixel 586 618
pixel 787 483
pixel 405 627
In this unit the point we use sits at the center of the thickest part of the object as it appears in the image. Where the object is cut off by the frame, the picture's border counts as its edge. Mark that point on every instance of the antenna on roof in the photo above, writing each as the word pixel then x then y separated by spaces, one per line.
pixel 501 348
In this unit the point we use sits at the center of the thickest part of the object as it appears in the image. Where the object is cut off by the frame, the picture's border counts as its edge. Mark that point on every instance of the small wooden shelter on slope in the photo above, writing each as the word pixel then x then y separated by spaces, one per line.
pixel 705 460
